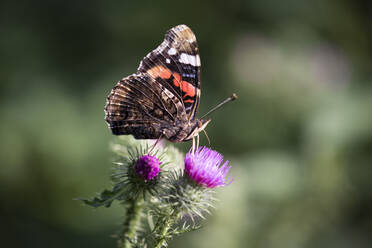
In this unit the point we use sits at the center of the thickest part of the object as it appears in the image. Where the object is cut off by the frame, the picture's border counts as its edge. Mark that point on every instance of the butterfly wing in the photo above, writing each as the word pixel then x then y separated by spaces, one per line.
pixel 175 64
pixel 140 106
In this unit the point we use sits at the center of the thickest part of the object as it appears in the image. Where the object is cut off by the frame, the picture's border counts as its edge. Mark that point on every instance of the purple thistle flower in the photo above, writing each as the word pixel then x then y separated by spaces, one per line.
pixel 204 167
pixel 147 167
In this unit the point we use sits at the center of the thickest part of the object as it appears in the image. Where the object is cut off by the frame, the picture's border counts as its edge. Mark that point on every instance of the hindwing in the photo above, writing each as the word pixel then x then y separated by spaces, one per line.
pixel 139 105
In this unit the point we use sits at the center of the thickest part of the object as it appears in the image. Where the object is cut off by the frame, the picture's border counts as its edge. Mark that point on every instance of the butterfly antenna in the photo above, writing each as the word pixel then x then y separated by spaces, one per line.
pixel 229 99
pixel 206 135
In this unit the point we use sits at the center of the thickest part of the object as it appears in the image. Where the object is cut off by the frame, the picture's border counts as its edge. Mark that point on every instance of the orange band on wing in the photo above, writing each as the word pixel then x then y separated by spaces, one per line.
pixel 185 86
pixel 177 79
pixel 159 71
pixel 164 73
pixel 188 88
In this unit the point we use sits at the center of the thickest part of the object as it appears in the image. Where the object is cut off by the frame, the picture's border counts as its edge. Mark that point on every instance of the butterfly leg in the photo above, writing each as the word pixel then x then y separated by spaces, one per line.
pixel 197 141
pixel 156 142
pixel 193 145
pixel 206 135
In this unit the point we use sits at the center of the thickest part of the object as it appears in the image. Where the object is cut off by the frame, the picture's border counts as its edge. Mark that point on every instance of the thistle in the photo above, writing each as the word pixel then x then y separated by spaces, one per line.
pixel 189 193
pixel 136 177
pixel 176 197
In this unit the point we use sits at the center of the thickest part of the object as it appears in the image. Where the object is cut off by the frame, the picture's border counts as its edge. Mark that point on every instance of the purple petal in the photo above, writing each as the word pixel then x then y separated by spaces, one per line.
pixel 204 167
pixel 147 167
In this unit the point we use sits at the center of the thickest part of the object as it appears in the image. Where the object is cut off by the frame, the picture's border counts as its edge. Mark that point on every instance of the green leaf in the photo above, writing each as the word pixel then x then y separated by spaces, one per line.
pixel 105 199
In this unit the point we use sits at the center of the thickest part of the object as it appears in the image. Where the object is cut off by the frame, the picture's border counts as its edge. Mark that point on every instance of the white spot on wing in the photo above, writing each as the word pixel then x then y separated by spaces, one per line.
pixel 168 61
pixel 189 59
pixel 197 60
pixel 172 51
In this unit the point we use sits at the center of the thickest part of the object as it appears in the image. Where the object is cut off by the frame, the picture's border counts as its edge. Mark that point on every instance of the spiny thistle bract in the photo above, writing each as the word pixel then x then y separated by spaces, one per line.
pixel 183 197
pixel 174 190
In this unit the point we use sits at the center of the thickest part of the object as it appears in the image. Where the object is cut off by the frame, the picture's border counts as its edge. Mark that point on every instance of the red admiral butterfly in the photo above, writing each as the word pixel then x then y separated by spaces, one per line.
pixel 162 98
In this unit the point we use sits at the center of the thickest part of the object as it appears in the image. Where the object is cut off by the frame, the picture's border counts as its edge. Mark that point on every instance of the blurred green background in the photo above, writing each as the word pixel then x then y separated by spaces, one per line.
pixel 299 138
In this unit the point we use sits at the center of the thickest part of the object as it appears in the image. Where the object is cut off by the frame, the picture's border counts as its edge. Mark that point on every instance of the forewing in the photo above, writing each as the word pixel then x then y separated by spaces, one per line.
pixel 175 64
pixel 140 106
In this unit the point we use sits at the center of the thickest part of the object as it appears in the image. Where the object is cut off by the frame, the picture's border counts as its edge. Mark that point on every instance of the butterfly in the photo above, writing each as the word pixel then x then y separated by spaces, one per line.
pixel 161 99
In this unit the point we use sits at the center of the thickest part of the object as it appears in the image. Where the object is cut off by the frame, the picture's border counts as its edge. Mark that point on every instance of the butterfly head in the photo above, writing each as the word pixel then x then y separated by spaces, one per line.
pixel 200 125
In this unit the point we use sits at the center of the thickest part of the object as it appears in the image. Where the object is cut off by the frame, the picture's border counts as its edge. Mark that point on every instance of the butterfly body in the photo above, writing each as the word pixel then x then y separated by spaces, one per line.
pixel 162 98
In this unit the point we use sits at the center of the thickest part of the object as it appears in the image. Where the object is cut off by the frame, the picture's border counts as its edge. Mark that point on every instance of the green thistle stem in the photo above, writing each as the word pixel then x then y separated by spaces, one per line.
pixel 164 228
pixel 163 232
pixel 132 222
